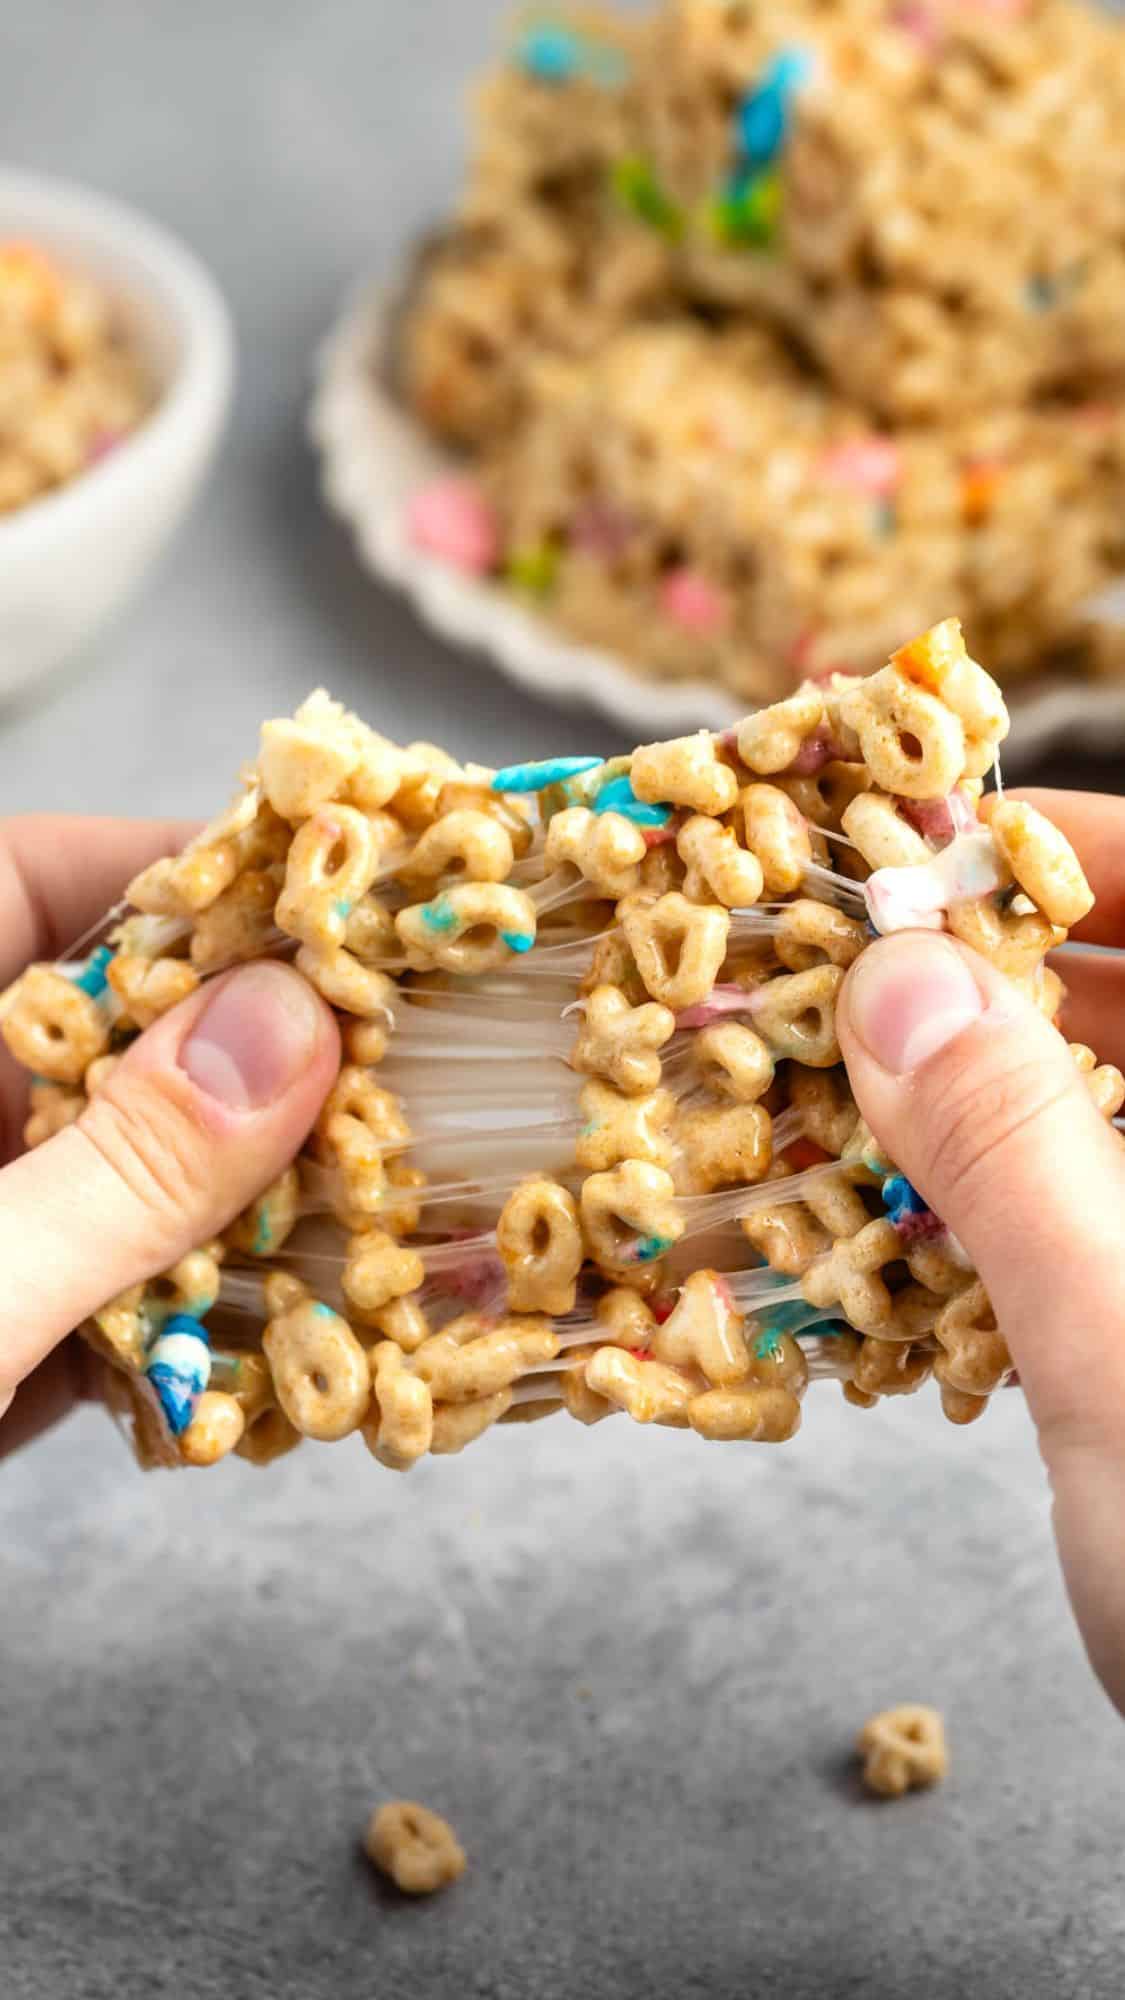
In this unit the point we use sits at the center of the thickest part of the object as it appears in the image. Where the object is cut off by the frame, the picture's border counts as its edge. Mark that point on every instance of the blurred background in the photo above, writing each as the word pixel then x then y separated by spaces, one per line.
pixel 630 1674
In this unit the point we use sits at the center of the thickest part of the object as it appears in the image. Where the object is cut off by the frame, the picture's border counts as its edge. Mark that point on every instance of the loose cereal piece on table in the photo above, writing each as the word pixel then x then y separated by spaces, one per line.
pixel 415 1847
pixel 903 1749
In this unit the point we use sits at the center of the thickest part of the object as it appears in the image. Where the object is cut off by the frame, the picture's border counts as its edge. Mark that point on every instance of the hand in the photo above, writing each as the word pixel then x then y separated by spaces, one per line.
pixel 203 1112
pixel 973 1094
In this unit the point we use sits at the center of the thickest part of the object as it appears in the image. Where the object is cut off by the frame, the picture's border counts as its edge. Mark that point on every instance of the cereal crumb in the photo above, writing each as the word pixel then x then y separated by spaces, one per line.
pixel 415 1847
pixel 903 1750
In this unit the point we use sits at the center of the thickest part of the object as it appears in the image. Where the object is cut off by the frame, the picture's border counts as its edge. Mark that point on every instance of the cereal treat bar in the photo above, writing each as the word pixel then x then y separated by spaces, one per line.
pixel 769 328
pixel 592 1147
pixel 930 195
pixel 695 500
pixel 70 386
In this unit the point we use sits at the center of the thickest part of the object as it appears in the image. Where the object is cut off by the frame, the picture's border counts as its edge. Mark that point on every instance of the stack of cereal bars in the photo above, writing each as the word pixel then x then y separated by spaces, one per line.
pixel 772 328
pixel 592 1146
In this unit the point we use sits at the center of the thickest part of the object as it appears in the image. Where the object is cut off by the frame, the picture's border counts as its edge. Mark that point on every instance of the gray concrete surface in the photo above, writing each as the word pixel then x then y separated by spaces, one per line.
pixel 628 1666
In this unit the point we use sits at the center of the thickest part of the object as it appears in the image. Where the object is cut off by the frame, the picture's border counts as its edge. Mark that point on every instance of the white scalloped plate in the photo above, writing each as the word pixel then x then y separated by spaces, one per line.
pixel 374 457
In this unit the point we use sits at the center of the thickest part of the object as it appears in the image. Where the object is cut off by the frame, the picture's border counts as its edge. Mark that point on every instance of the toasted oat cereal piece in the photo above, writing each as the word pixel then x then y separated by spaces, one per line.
pixel 1042 860
pixel 415 1847
pixel 903 1750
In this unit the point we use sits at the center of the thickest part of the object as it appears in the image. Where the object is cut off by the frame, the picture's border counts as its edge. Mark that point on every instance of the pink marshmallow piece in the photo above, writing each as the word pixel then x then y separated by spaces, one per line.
pixel 694 604
pixel 453 521
pixel 869 465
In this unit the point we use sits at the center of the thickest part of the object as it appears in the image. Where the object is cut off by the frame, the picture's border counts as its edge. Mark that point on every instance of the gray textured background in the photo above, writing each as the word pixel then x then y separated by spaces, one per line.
pixel 627 1665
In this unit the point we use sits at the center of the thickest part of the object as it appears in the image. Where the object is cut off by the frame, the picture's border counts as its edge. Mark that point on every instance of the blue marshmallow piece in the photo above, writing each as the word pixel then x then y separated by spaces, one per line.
pixel 179 1368
pixel 537 777
pixel 619 797
pixel 550 52
pixel 764 115
pixel 903 1202
pixel 92 978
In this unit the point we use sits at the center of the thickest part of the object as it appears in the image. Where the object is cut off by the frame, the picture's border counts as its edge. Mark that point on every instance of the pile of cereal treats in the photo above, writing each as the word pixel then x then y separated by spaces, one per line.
pixel 771 328
pixel 592 1147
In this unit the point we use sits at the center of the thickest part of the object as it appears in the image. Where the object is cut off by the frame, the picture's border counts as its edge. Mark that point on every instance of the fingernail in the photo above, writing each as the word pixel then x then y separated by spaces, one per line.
pixel 911 996
pixel 251 1044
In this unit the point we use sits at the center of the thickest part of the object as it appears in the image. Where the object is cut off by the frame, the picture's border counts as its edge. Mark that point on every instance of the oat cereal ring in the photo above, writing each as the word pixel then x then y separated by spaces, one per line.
pixel 360 1123
pixel 773 738
pixel 319 1369
pixel 718 869
pixel 606 849
pixel 262 1228
pixel 461 794
pixel 51 1026
pixel 685 772
pixel 579 1400
pixel 1014 943
pixel 849 1276
pixel 976 1358
pixel 365 1043
pixel 754 1415
pixel 629 1216
pixel 217 1426
pixel 267 1437
pixel 957 1406
pixel 624 1319
pixel 828 1110
pixel 912 745
pixel 539 1237
pixel 662 873
pixel 612 964
pixel 238 925
pixel 474 928
pixel 457 1425
pixel 724 1145
pixel 616 1128
pixel 415 1847
pixel 370 935
pixel 679 947
pixel 620 1041
pixel 809 934
pixel 1105 1084
pixel 400 1430
pixel 732 1061
pixel 1042 860
pixel 824 796
pixel 795 1014
pixel 124 1333
pixel 787 1236
pixel 186 884
pixel 473 1358
pixel 777 834
pixel 190 1287
pixel 333 860
pixel 404 1322
pixel 837 1205
pixel 345 983
pixel 890 1368
pixel 882 833
pixel 51 1108
pixel 938 662
pixel 148 988
pixel 704 1331
pixel 903 1748
pixel 648 1391
pixel 463 846
pixel 379 1270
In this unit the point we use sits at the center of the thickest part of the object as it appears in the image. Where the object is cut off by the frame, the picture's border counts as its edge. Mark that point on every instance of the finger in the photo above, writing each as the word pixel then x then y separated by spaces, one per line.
pixel 976 1098
pixel 1094 1009
pixel 59 875
pixel 1094 824
pixel 202 1113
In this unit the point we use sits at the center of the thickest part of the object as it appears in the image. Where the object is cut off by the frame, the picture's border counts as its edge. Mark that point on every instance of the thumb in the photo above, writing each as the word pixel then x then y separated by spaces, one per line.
pixel 203 1111
pixel 974 1094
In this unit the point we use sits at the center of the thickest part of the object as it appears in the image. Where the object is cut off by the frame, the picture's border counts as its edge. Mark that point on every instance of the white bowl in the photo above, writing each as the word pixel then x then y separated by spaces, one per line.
pixel 68 561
